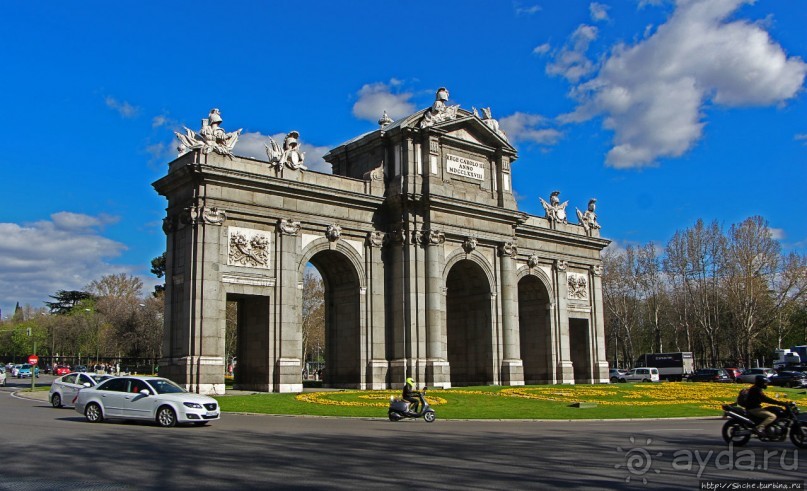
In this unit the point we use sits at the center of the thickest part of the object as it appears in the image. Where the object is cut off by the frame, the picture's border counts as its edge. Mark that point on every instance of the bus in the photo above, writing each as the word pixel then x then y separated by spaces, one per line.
pixel 671 366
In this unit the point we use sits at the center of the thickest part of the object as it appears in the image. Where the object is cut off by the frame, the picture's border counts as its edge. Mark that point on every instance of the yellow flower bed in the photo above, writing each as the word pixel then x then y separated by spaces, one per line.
pixel 705 395
pixel 366 399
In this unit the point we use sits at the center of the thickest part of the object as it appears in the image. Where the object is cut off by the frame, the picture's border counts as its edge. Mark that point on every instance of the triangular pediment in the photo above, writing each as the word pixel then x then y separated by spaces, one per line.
pixel 472 129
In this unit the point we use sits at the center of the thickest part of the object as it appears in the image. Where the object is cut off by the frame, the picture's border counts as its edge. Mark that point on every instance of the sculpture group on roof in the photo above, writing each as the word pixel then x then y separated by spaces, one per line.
pixel 211 137
pixel 290 155
pixel 556 212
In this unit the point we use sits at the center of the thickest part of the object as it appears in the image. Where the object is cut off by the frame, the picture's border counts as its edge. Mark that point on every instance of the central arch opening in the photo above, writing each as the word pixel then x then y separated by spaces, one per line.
pixel 469 325
pixel 342 351
pixel 534 331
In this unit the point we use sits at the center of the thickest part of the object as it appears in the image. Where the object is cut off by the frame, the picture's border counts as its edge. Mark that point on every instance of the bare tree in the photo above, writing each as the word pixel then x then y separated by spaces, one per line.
pixel 620 299
pixel 313 313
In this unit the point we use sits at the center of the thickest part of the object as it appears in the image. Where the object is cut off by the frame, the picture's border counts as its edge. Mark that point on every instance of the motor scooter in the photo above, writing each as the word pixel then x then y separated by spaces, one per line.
pixel 399 409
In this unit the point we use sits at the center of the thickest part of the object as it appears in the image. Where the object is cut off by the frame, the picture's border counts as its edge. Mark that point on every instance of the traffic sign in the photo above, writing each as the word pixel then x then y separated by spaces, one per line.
pixel 33 360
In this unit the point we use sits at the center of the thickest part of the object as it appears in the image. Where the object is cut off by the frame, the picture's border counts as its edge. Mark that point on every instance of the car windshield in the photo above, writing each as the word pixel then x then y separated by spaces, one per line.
pixel 163 386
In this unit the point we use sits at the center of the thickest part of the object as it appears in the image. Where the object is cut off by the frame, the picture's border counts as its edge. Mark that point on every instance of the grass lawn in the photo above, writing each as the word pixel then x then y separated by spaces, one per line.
pixel 664 400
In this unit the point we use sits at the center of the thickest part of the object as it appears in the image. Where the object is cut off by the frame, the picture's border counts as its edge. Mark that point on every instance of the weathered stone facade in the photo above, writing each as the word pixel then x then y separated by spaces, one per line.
pixel 430 269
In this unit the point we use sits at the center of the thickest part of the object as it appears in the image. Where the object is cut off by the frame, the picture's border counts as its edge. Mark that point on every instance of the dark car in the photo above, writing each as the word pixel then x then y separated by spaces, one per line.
pixel 789 379
pixel 734 373
pixel 80 368
pixel 710 375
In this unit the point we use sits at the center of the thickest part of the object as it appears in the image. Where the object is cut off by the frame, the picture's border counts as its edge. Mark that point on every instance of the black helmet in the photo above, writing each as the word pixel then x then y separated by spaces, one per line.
pixel 761 381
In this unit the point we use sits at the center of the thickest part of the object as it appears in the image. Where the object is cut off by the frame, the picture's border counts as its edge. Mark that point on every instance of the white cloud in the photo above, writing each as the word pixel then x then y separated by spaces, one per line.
pixel 652 94
pixel 63 253
pixel 125 109
pixel 527 10
pixel 571 62
pixel 252 145
pixel 529 127
pixel 160 120
pixel 598 12
pixel 802 137
pixel 374 99
pixel 542 49
pixel 777 233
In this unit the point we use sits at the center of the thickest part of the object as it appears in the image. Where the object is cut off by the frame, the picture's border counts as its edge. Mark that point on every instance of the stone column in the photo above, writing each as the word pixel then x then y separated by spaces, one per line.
pixel 565 369
pixel 512 372
pixel 377 366
pixel 600 362
pixel 288 371
pixel 398 364
pixel 437 368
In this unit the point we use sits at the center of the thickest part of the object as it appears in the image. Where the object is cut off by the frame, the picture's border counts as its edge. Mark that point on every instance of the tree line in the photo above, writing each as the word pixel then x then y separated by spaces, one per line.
pixel 112 319
pixel 729 296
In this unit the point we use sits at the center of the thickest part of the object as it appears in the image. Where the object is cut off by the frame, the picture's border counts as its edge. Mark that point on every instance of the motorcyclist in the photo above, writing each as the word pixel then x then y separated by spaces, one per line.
pixel 756 396
pixel 410 394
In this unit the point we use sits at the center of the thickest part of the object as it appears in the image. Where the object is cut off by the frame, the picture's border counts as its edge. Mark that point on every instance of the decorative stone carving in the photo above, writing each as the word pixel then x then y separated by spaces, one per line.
pixel 290 155
pixel 597 270
pixel 555 210
pixel 333 232
pixel 470 244
pixel 435 237
pixel 376 174
pixel 439 112
pixel 169 225
pixel 211 137
pixel 395 236
pixel 532 262
pixel 248 248
pixel 385 120
pixel 434 146
pixel 289 227
pixel 189 215
pixel 577 286
pixel 589 219
pixel 490 122
pixel 213 216
pixel 418 236
pixel 508 249
pixel 560 264
pixel 375 239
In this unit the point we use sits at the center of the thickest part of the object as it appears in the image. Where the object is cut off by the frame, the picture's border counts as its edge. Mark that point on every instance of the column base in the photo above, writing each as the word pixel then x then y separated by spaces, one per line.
pixel 377 371
pixel 565 373
pixel 601 370
pixel 512 372
pixel 438 374
pixel 289 374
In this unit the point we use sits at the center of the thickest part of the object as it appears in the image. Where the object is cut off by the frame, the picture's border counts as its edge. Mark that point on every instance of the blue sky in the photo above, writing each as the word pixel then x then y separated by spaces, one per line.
pixel 665 112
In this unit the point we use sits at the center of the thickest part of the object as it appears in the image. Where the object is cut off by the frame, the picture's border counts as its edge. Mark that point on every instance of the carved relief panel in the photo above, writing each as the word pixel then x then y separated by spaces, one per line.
pixel 248 247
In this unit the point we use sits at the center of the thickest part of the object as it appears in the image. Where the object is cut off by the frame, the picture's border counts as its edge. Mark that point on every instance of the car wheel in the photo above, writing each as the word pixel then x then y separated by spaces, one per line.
pixel 614 380
pixel 93 413
pixel 56 400
pixel 645 380
pixel 166 417
pixel 430 416
pixel 729 434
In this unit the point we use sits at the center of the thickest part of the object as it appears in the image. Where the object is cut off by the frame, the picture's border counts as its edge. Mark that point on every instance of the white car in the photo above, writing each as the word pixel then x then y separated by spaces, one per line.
pixel 63 390
pixel 2 376
pixel 641 375
pixel 147 398
pixel 15 370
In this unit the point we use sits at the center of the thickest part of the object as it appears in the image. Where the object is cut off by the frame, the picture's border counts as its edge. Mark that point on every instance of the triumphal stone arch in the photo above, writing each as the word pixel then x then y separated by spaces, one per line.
pixel 430 269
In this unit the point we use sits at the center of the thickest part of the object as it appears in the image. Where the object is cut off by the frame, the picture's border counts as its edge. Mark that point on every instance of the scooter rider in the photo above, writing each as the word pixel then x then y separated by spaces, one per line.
pixel 409 393
pixel 756 396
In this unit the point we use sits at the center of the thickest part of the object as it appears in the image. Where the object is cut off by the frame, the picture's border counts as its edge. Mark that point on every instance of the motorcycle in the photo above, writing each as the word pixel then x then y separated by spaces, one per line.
pixel 399 409
pixel 741 425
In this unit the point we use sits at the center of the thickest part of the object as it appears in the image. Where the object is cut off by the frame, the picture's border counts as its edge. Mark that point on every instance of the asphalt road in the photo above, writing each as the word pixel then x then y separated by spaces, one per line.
pixel 47 448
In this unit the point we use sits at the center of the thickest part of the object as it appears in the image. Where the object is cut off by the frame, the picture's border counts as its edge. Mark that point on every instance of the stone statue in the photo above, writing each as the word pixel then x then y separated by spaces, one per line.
pixel 492 123
pixel 211 138
pixel 290 155
pixel 589 219
pixel 555 210
pixel 439 112
pixel 385 120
